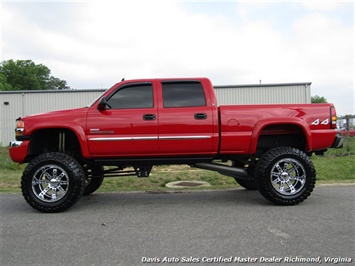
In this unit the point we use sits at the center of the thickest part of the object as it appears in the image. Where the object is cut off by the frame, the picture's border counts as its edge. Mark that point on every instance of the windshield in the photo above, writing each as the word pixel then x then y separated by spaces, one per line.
pixel 89 105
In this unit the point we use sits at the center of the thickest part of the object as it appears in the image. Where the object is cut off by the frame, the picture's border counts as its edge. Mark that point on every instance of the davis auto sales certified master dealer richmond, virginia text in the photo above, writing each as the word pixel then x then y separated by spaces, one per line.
pixel 273 259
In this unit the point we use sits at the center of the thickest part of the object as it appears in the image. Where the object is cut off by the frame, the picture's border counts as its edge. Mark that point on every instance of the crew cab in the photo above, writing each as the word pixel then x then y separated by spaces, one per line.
pixel 146 122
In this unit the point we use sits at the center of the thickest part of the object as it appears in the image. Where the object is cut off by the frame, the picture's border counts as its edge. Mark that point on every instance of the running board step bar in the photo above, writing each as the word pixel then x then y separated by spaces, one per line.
pixel 227 170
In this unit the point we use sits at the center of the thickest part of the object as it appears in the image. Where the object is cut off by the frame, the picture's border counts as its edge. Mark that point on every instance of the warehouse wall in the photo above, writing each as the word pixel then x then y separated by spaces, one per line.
pixel 282 93
pixel 15 104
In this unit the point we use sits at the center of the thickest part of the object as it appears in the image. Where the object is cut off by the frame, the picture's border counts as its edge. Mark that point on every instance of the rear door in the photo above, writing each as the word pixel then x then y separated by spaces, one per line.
pixel 128 126
pixel 186 121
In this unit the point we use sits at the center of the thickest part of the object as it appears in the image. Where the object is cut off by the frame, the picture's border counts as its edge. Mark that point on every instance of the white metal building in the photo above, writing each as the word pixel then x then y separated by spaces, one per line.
pixel 14 104
pixel 280 93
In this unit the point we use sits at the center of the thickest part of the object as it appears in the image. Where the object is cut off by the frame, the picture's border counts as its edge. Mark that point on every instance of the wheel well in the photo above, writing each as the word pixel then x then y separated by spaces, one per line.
pixel 54 140
pixel 282 135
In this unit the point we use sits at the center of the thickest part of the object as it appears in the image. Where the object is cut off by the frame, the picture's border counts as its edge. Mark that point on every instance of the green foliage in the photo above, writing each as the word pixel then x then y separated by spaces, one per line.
pixel 57 84
pixel 318 99
pixel 4 86
pixel 5 161
pixel 341 169
pixel 26 75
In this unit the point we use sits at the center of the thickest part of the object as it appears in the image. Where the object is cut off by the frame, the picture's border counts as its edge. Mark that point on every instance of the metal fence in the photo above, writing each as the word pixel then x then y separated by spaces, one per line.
pixel 348 132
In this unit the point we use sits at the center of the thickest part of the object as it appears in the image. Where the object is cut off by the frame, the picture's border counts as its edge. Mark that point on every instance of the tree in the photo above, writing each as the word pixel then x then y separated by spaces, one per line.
pixel 26 75
pixel 57 84
pixel 4 86
pixel 318 99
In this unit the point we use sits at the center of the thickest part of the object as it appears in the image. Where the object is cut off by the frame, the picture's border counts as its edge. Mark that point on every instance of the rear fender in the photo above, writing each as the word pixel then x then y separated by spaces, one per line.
pixel 262 124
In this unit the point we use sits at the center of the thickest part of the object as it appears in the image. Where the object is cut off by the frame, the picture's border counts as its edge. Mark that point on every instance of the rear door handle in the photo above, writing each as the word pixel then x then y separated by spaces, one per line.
pixel 149 117
pixel 200 116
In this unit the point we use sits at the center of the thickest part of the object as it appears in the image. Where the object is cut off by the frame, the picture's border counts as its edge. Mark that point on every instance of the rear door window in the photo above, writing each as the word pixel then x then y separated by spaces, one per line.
pixel 183 94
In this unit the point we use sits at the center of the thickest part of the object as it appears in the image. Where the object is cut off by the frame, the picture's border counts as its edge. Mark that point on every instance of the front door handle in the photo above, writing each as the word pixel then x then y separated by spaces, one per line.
pixel 149 117
pixel 200 116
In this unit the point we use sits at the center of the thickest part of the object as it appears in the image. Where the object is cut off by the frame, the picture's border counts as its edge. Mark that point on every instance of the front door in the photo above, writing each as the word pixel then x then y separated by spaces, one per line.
pixel 128 126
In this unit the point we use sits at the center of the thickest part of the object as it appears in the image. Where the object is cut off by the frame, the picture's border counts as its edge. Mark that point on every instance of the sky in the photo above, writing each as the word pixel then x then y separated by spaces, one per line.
pixel 94 44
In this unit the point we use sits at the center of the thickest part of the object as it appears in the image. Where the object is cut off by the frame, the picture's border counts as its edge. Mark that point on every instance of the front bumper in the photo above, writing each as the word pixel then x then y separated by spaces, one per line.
pixel 338 142
pixel 18 151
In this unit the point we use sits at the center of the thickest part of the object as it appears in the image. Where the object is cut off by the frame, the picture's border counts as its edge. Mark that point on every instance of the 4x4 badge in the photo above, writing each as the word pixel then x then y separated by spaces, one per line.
pixel 317 122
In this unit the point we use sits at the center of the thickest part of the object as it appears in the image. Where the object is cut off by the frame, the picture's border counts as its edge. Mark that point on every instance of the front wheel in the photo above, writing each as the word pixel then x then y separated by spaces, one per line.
pixel 52 182
pixel 285 175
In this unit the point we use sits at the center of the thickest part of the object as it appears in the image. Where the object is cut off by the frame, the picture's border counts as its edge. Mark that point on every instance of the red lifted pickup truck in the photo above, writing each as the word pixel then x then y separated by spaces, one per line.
pixel 141 123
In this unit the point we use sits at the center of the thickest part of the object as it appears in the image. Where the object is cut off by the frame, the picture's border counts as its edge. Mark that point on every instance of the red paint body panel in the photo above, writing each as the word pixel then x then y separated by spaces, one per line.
pixel 121 133
pixel 73 119
pixel 117 133
pixel 181 134
pixel 249 120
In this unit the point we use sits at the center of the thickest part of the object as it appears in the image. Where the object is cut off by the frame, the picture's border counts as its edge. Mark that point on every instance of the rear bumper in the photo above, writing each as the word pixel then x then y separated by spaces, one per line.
pixel 18 151
pixel 338 142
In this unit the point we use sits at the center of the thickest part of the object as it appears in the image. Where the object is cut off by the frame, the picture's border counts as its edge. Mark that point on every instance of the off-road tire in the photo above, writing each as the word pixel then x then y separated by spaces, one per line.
pixel 94 179
pixel 53 182
pixel 285 175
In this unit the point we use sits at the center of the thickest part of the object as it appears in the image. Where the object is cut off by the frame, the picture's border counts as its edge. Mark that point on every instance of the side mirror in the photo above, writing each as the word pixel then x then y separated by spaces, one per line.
pixel 102 104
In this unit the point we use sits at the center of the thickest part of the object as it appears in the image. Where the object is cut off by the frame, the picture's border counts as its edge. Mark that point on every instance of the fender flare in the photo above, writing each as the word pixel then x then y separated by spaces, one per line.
pixel 260 125
pixel 78 132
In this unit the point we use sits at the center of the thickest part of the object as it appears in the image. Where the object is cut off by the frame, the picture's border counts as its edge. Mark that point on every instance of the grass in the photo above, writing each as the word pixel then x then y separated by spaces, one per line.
pixel 333 167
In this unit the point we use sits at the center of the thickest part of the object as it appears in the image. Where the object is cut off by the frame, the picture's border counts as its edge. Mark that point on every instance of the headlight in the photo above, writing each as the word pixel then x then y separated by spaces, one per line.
pixel 20 127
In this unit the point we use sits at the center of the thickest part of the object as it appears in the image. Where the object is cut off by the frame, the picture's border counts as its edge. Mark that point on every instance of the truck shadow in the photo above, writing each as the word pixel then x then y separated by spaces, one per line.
pixel 159 199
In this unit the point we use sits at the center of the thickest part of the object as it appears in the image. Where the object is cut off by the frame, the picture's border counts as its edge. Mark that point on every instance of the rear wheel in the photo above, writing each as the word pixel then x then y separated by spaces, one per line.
pixel 53 182
pixel 285 175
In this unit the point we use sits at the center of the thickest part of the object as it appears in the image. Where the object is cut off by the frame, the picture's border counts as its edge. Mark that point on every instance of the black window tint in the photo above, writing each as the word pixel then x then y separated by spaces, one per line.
pixel 183 94
pixel 133 96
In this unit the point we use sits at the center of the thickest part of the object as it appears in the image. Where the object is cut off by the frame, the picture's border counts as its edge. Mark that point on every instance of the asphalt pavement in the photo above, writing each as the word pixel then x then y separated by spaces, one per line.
pixel 235 227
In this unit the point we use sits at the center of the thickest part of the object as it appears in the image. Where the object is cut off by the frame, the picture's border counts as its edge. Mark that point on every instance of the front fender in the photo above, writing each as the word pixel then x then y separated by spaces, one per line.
pixel 80 134
pixel 77 131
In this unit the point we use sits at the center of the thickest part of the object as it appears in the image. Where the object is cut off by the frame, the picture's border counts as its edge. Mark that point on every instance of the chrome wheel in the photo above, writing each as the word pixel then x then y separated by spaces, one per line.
pixel 288 176
pixel 50 183
pixel 285 175
pixel 53 182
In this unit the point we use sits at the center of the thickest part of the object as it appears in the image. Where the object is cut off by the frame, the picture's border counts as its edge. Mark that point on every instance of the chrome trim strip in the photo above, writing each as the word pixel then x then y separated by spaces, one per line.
pixel 150 138
pixel 184 137
pixel 123 138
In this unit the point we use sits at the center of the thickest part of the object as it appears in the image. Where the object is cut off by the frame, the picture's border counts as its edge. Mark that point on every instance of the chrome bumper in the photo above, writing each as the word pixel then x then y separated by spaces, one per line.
pixel 15 143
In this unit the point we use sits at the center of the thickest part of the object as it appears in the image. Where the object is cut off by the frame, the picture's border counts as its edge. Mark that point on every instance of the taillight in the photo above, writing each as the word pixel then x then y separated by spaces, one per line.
pixel 333 117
